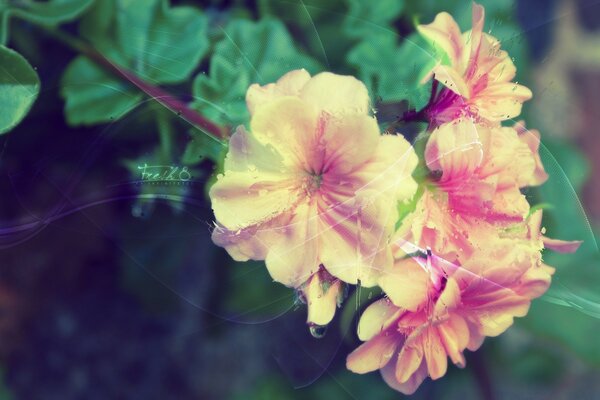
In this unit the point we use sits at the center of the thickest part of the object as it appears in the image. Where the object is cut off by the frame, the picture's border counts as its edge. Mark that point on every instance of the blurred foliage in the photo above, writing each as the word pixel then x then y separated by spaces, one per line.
pixel 144 36
pixel 166 299
pixel 249 53
pixel 51 12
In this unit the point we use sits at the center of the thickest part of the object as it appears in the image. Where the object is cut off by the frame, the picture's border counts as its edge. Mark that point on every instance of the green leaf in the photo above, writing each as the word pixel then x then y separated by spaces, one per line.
pixel 19 87
pixel 393 71
pixel 93 95
pixel 201 147
pixel 250 52
pixel 365 16
pixel 160 44
pixel 51 12
pixel 318 25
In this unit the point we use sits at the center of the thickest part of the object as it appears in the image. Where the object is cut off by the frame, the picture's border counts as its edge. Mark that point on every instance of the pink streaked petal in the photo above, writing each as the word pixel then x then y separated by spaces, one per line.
pixel 349 143
pixel 449 299
pixel 496 317
pixel 354 244
pixel 444 33
pixel 389 170
pixel 409 360
pixel 455 149
pixel 410 386
pixel 434 353
pixel 561 246
pixel 452 79
pixel 293 258
pixel 475 37
pixel 476 337
pixel 454 334
pixel 501 101
pixel 289 127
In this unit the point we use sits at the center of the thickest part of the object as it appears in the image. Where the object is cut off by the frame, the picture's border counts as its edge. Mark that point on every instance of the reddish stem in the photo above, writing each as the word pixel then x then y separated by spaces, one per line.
pixel 155 92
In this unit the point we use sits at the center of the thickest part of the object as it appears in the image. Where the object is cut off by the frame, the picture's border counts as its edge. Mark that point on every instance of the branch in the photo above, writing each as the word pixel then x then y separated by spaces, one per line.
pixel 155 92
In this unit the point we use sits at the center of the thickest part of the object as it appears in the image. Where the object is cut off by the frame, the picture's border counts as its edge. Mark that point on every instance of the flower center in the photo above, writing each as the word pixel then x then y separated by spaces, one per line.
pixel 312 183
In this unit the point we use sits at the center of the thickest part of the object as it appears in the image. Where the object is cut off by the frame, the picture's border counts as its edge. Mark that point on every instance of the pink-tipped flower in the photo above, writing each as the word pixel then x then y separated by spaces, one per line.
pixel 436 309
pixel 483 168
pixel 312 183
pixel 477 74
pixel 477 172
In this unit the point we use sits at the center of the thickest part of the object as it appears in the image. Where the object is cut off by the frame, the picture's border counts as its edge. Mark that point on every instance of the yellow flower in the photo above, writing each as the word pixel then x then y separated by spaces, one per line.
pixel 312 184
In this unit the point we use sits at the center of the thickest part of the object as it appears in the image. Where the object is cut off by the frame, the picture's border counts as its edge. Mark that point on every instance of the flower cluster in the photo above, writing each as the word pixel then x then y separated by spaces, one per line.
pixel 313 188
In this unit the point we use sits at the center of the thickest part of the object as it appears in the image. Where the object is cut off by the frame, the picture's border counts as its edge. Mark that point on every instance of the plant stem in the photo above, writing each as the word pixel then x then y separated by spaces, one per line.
pixel 157 93
pixel 422 115
pixel 482 376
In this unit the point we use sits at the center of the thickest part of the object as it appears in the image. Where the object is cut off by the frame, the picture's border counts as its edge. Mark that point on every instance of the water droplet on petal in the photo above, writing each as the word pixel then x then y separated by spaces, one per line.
pixel 318 331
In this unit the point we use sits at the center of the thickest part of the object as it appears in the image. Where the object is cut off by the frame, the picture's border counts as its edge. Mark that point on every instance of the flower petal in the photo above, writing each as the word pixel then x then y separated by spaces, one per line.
pixel 454 335
pixel 289 84
pixel 321 300
pixel 561 246
pixel 354 243
pixel 444 33
pixel 408 387
pixel 377 317
pixel 501 101
pixel 455 149
pixel 532 139
pixel 289 127
pixel 434 353
pixel 349 142
pixel 337 94
pixel 374 354
pixel 406 284
pixel 293 258
pixel 409 360
pixel 452 79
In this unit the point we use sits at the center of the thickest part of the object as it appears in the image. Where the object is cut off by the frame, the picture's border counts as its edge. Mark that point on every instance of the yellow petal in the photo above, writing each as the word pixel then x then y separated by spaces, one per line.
pixel 453 80
pixel 374 354
pixel 444 33
pixel 376 318
pixel 233 192
pixel 289 84
pixel 321 300
pixel 293 257
pixel 406 284
pixel 288 126
pixel 434 353
pixel 502 101
pixel 409 361
pixel 354 243
pixel 388 373
pixel 336 94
